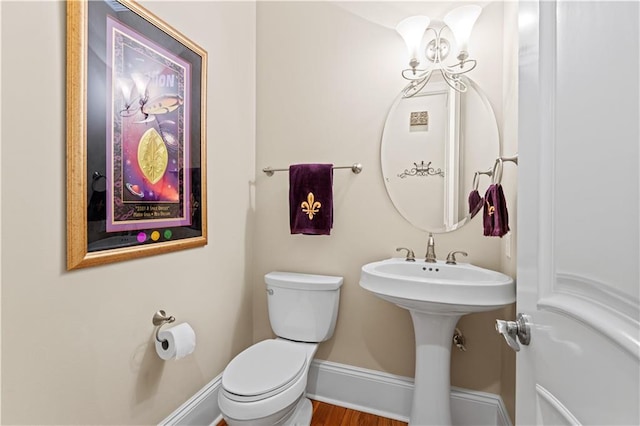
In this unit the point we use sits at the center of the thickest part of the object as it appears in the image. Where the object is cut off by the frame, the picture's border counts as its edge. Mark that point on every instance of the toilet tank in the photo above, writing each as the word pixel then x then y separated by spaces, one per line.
pixel 303 307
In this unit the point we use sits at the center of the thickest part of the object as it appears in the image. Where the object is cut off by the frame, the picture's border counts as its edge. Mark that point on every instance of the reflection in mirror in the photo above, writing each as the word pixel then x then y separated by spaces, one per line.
pixel 437 147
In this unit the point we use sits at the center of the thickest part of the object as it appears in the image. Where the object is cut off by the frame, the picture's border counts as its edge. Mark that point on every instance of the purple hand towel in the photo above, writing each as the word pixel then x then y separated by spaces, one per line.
pixel 311 199
pixel 495 215
pixel 475 202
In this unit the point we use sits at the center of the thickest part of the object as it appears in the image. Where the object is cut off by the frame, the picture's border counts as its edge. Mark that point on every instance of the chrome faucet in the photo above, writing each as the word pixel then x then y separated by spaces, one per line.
pixel 451 257
pixel 431 250
pixel 411 257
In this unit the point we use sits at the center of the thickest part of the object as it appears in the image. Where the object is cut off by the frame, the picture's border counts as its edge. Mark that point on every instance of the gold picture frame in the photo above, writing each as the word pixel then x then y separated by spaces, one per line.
pixel 136 135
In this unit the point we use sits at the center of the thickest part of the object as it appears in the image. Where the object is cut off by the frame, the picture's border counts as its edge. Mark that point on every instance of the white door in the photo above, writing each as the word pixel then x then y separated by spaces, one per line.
pixel 578 213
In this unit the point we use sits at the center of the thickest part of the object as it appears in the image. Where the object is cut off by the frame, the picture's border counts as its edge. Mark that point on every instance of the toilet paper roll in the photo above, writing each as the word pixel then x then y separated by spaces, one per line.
pixel 176 342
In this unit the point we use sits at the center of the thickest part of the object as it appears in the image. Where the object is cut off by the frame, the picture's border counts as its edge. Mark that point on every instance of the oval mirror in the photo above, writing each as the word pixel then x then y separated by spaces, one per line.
pixel 433 145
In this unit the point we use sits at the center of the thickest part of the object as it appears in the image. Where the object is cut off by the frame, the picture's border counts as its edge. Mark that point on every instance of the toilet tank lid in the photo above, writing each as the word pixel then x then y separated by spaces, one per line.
pixel 303 281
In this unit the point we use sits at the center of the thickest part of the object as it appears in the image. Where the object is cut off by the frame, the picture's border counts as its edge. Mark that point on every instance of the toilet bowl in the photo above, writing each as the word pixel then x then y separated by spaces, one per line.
pixel 265 384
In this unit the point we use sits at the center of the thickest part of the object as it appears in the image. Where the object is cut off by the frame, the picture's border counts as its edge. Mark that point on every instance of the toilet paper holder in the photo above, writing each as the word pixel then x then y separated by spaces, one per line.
pixel 161 318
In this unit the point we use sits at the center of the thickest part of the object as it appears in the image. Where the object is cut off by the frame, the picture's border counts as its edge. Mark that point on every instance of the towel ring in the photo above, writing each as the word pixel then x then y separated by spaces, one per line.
pixel 476 178
pixel 497 178
pixel 476 181
pixel 160 318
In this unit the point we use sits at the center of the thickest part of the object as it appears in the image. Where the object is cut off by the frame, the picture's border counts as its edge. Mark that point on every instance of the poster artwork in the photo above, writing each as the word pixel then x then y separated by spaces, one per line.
pixel 147 132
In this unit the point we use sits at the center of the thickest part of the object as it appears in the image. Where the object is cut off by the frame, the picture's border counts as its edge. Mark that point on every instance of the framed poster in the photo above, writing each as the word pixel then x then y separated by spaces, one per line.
pixel 136 137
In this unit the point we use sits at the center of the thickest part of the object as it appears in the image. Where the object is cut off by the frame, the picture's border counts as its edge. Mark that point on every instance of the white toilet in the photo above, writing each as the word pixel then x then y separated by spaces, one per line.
pixel 265 384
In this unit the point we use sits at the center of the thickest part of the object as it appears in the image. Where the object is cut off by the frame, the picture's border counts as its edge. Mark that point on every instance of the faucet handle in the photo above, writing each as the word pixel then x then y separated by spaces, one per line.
pixel 411 257
pixel 451 257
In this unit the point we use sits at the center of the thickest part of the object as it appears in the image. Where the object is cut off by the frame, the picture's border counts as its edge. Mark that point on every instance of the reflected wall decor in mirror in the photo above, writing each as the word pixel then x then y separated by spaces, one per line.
pixel 434 144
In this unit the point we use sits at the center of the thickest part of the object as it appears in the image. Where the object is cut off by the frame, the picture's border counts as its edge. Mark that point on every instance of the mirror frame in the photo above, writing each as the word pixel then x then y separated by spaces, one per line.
pixel 472 85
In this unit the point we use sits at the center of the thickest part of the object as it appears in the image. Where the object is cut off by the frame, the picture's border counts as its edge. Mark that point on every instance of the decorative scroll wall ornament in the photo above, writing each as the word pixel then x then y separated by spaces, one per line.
pixel 421 170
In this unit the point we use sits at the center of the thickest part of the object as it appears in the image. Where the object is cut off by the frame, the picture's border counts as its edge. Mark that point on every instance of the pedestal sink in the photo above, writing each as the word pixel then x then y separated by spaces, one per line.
pixel 436 295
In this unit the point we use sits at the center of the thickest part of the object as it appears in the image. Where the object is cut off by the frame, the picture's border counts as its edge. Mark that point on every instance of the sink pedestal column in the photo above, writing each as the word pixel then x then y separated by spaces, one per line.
pixel 432 386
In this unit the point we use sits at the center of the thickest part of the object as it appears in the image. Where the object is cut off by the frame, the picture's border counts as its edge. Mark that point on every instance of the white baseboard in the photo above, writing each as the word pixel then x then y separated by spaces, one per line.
pixel 201 409
pixel 360 389
pixel 388 395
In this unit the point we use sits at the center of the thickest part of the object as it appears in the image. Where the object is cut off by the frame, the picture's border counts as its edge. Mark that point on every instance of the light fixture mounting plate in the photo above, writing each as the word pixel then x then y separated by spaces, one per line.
pixel 438 47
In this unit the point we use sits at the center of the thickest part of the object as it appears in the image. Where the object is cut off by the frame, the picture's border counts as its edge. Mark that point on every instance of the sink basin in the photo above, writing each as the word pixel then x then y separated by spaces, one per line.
pixel 438 287
pixel 436 295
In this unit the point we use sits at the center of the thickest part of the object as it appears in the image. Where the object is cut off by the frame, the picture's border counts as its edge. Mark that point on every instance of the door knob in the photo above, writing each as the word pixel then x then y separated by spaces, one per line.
pixel 511 330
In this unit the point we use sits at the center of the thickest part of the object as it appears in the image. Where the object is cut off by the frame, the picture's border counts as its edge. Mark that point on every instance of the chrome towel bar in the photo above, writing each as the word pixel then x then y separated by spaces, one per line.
pixel 355 168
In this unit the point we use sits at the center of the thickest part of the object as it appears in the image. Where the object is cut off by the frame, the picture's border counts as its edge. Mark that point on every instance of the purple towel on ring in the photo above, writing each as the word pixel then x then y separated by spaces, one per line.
pixel 475 202
pixel 311 198
pixel 495 215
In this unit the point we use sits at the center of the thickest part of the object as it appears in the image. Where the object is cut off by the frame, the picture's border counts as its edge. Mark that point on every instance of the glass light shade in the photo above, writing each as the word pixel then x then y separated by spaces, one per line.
pixel 126 86
pixel 460 21
pixel 412 30
pixel 141 81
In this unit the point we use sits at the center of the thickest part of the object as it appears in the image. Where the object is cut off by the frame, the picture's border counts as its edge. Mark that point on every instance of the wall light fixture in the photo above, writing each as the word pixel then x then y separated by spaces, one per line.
pixel 413 29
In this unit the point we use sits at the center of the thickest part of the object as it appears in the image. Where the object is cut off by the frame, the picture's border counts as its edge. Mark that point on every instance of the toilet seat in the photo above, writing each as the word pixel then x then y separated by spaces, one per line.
pixel 263 370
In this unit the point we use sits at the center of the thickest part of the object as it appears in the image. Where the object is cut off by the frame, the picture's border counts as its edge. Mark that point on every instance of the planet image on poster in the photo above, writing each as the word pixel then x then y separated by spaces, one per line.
pixel 169 130
pixel 134 189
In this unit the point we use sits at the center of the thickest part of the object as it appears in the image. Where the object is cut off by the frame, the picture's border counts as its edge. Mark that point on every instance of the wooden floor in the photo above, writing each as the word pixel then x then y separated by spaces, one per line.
pixel 331 415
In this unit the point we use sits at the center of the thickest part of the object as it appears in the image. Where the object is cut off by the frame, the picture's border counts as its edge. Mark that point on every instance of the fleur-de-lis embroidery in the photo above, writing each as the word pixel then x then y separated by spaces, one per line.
pixel 310 207
pixel 491 209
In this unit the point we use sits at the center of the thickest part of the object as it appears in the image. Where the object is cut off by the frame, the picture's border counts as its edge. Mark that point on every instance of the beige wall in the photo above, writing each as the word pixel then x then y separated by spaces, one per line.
pixel 77 346
pixel 326 79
